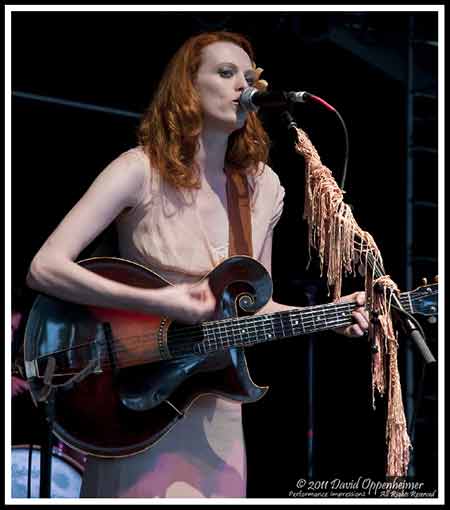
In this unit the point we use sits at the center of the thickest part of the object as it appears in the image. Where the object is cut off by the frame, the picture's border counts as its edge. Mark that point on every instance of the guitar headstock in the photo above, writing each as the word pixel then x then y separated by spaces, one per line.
pixel 424 299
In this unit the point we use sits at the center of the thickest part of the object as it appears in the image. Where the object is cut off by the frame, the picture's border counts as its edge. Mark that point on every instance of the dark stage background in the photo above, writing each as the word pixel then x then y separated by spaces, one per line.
pixel 115 60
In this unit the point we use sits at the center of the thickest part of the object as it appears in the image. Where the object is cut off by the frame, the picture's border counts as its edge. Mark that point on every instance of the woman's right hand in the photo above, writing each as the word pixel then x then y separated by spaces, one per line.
pixel 186 303
pixel 53 270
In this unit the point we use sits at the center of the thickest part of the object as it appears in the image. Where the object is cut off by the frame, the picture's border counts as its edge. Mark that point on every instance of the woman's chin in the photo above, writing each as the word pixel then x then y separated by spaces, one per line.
pixel 227 125
pixel 237 123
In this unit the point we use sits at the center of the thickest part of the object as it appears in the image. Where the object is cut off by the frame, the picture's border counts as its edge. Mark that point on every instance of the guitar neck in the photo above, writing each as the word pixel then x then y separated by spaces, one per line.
pixel 256 329
pixel 247 331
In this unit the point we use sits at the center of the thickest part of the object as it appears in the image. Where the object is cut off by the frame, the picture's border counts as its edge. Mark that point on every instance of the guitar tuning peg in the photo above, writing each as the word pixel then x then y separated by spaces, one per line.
pixel 424 281
pixel 436 279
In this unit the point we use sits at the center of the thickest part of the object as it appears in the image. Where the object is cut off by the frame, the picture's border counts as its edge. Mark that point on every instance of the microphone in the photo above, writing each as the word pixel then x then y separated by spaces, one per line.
pixel 251 99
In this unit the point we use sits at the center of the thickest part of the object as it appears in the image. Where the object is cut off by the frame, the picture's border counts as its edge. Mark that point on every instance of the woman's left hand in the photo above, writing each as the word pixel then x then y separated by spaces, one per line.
pixel 360 316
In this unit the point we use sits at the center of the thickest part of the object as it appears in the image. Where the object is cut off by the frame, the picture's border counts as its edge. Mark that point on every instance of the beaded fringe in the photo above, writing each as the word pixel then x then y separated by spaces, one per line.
pixel 343 248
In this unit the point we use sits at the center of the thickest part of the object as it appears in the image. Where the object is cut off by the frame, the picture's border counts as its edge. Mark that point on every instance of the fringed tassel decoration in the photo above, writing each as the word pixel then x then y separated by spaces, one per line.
pixel 343 246
pixel 340 243
pixel 397 438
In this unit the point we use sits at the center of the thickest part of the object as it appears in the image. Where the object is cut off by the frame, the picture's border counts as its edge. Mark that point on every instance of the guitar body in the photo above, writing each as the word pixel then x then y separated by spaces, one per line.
pixel 137 391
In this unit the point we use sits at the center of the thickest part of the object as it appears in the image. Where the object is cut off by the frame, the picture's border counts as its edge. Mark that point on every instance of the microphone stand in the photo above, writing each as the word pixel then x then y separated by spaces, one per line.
pixel 310 292
pixel 289 123
pixel 414 332
pixel 46 397
pixel 48 413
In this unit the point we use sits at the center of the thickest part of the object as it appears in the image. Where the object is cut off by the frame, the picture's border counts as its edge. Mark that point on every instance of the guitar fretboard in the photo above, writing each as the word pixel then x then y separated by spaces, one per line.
pixel 256 329
pixel 252 330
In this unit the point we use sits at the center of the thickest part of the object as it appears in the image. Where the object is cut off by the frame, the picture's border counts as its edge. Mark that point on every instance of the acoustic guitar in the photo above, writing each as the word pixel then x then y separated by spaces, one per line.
pixel 122 380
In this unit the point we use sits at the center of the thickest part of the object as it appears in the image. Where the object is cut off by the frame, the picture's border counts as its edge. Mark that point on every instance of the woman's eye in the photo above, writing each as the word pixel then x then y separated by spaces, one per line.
pixel 226 73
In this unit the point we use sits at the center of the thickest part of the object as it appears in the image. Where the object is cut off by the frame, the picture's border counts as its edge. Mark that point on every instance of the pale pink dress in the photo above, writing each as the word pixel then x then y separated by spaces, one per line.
pixel 182 240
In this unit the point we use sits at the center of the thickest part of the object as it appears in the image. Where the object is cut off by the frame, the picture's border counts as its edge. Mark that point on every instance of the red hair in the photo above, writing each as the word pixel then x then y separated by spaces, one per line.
pixel 171 126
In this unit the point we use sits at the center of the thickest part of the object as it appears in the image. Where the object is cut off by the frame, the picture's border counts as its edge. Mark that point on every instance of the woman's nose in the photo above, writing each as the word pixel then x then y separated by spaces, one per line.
pixel 241 82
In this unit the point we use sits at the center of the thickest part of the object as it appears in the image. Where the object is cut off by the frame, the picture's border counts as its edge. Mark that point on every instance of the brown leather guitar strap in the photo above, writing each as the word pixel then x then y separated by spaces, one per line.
pixel 235 376
pixel 239 214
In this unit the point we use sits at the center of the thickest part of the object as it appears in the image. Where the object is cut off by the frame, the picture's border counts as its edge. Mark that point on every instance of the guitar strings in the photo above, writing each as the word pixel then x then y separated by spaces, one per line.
pixel 218 323
pixel 180 347
pixel 234 320
pixel 221 324
pixel 225 322
pixel 313 312
pixel 185 348
pixel 257 336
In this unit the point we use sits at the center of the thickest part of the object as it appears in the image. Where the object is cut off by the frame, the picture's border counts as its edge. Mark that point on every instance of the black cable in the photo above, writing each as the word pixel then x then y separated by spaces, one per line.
pixel 347 150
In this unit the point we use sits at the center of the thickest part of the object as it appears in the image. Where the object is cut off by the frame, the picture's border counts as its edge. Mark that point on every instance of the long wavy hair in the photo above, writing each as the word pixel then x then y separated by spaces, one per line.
pixel 170 128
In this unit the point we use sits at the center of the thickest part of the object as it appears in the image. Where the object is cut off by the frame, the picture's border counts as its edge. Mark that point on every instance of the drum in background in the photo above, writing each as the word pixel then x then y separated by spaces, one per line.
pixel 66 473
